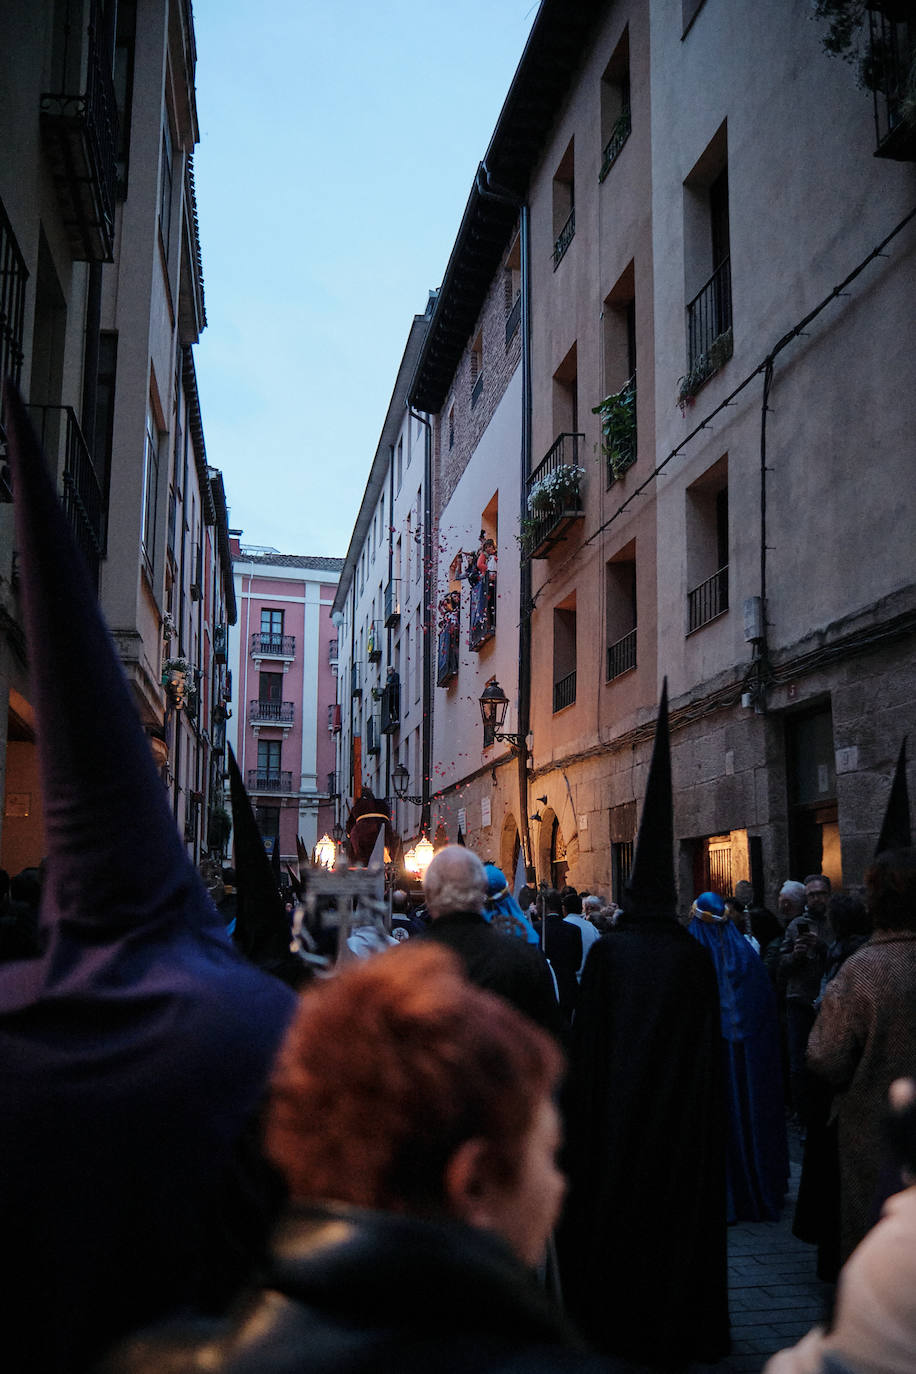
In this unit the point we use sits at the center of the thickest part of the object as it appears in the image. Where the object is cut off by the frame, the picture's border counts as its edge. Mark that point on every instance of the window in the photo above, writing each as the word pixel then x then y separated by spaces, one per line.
pixel 418 639
pixel 476 363
pixel 13 278
pixel 512 291
pixel 418 537
pixel 270 687
pixel 564 206
pixel 618 410
pixel 269 760
pixel 566 395
pixel 165 187
pixel 707 546
pixel 399 468
pixel 814 838
pixel 123 76
pixel 271 630
pixel 615 105
pixel 451 426
pixel 268 818
pixel 150 489
pixel 707 249
pixel 564 654
pixel 620 583
pixel 622 830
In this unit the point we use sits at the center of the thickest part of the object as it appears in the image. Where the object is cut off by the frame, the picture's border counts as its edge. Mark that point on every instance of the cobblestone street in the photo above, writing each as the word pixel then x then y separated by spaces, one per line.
pixel 774 1293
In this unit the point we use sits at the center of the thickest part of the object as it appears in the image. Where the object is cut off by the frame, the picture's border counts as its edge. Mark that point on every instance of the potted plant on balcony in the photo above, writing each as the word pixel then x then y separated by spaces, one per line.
pixel 556 491
pixel 618 428
pixel 175 675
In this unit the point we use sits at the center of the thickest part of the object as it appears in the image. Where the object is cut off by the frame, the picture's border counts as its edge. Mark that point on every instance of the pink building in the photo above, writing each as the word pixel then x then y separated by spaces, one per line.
pixel 283 649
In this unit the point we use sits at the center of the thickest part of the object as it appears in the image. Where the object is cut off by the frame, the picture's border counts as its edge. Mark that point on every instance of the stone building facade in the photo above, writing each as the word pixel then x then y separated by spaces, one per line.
pixel 710 375
pixel 101 304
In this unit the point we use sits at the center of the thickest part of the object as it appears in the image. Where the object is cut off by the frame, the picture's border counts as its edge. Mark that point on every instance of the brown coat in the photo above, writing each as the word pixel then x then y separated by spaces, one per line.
pixel 865 1037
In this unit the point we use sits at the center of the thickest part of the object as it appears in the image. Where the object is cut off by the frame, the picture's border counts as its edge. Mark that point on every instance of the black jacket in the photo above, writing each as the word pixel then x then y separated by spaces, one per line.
pixel 501 963
pixel 356 1292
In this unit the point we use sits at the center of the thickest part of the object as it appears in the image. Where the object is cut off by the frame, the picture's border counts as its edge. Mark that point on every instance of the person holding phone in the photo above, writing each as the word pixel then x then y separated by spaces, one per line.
pixel 803 957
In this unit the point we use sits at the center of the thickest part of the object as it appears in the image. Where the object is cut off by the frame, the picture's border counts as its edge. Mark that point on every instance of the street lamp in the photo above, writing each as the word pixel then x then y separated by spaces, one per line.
pixel 418 859
pixel 326 851
pixel 400 779
pixel 493 707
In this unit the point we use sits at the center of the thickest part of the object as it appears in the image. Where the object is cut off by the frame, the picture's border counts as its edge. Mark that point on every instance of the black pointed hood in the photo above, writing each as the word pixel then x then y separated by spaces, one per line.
pixel 115 860
pixel 895 829
pixel 262 930
pixel 652 890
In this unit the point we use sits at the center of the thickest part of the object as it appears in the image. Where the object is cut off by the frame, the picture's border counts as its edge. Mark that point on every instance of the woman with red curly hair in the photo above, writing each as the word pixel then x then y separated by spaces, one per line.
pixel 412 1117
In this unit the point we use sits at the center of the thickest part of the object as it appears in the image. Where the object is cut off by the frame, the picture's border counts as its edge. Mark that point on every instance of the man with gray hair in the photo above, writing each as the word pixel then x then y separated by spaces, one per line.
pixel 455 888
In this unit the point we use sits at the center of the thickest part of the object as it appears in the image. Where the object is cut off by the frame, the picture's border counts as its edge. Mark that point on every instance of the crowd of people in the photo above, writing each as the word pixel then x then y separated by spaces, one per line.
pixel 511 1129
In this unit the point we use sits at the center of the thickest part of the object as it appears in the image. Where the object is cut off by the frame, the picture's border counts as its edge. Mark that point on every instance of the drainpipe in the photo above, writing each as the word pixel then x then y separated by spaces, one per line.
pixel 488 189
pixel 426 727
pixel 388 633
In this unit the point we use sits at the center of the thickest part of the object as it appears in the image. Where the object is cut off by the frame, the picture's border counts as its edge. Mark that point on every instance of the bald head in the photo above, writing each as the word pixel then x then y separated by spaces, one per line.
pixel 456 880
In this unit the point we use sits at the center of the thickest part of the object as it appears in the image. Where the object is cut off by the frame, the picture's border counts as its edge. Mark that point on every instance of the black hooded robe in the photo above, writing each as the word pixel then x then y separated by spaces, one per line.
pixel 642 1243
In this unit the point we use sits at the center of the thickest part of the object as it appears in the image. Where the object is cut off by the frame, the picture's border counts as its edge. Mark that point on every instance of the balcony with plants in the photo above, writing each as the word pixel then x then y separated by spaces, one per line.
pixel 554 497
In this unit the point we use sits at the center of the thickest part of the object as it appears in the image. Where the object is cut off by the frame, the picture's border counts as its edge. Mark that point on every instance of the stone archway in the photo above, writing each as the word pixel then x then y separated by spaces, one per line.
pixel 509 846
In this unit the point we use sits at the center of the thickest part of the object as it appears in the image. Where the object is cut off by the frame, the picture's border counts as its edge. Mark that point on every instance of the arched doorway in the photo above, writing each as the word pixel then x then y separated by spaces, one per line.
pixel 509 848
pixel 558 864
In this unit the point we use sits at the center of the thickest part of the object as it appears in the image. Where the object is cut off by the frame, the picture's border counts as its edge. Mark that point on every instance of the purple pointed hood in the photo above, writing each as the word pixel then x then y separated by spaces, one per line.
pixel 115 860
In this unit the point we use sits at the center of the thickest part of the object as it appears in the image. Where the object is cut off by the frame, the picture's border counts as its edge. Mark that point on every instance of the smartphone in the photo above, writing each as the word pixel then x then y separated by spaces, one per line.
pixel 803 928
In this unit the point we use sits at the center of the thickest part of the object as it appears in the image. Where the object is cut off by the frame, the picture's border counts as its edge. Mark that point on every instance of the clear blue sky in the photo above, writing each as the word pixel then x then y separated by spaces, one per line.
pixel 338 144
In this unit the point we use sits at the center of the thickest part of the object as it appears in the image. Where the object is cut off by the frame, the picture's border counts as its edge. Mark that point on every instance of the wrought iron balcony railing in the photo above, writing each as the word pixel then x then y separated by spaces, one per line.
pixel 373 734
pixel 553 511
pixel 708 600
pixel 220 642
pixel 374 642
pixel 564 691
pixel 332 652
pixel 80 134
pixel 270 713
pixel 272 646
pixel 392 606
pixel 356 680
pixel 13 276
pixel 621 657
pixel 566 236
pixel 391 705
pixel 60 434
pixel 709 322
pixel 619 135
pixel 272 780
pixel 332 785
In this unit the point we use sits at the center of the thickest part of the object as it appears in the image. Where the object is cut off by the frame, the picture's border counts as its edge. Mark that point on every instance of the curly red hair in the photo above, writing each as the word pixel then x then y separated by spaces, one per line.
pixel 392 1065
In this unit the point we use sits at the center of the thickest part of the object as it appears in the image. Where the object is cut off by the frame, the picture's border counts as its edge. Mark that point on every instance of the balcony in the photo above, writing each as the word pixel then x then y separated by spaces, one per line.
pixel 619 135
pixel 566 236
pixel 334 719
pixel 391 704
pixel 477 390
pixel 554 496
pixel 709 331
pixel 886 72
pixel 708 600
pixel 271 713
pixel 482 619
pixel 374 642
pixel 332 788
pixel 282 647
pixel 220 642
pixel 62 438
pixel 618 430
pixel 621 657
pixel 392 606
pixel 373 735
pixel 356 680
pixel 274 780
pixel 447 655
pixel 332 653
pixel 13 277
pixel 564 692
pixel 79 135
pixel 513 319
